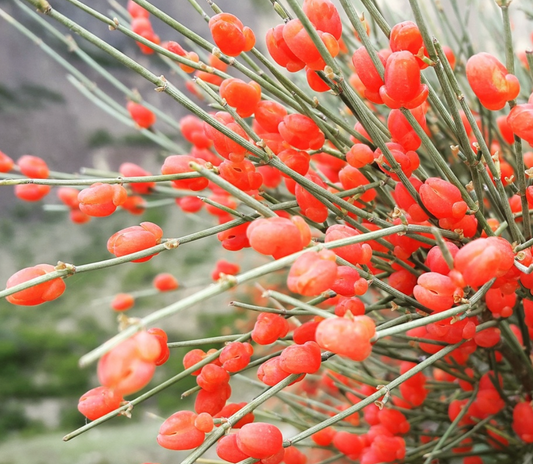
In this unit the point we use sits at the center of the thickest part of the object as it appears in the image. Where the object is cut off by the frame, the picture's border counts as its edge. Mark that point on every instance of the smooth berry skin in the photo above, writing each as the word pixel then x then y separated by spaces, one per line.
pixel 402 86
pixel 133 170
pixel 312 273
pixel 122 302
pixel 240 95
pixel 301 359
pixel 523 421
pixel 520 121
pixel 490 81
pixel 275 236
pixel 300 43
pixel 134 239
pixel 301 132
pixel 228 450
pixel 259 440
pixel 98 402
pixel 41 293
pixel 165 282
pixel 280 51
pixel 369 75
pixel 179 164
pixel 324 15
pixel 230 35
pixel 101 200
pixel 347 337
pixel 142 116
pixel 33 167
pixel 6 163
pixel 31 192
pixel 179 433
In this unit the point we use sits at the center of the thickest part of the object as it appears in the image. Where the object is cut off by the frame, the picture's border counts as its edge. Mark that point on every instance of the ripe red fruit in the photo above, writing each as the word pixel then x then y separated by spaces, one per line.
pixel 520 120
pixel 129 366
pixel 280 51
pixel 101 199
pixel 347 337
pixel 224 267
pixel 133 170
pixel 523 421
pixel 487 338
pixel 204 422
pixel 179 164
pixel 408 160
pixel 442 199
pixel 259 440
pixel 98 402
pixel 225 146
pixel 162 338
pixel 324 16
pixel 324 437
pixel 436 262
pixel 142 116
pixel 212 377
pixel 297 160
pixel 230 409
pixel 268 328
pixel 358 253
pixel 6 163
pixel 368 74
pixel 294 456
pixel 135 238
pixel 165 282
pixel 33 167
pixel 275 236
pixel 241 96
pixel 402 86
pixel 141 25
pixel 300 43
pixel 212 402
pixel 312 273
pixel 436 291
pixel 401 130
pixel 406 36
pixel 69 196
pixel 230 35
pixel 360 155
pixel 348 444
pixel 41 293
pixel 236 356
pixel 228 450
pixel 271 373
pixel 305 332
pixel 351 177
pixel 137 11
pixel 484 258
pixel 301 359
pixel 179 433
pixel 31 192
pixel 192 128
pixel 122 302
pixel 241 174
pixel 301 132
pixel 490 81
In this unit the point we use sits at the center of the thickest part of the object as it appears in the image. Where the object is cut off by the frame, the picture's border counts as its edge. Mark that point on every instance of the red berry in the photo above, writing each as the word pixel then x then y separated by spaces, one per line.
pixel 38 294
pixel 101 199
pixel 165 282
pixel 98 402
pixel 259 440
pixel 179 433
pixel 142 116
pixel 134 239
pixel 122 302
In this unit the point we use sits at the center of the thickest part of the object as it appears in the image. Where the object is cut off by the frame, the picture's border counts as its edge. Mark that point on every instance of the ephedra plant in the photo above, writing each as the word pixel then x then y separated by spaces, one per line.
pixel 381 166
